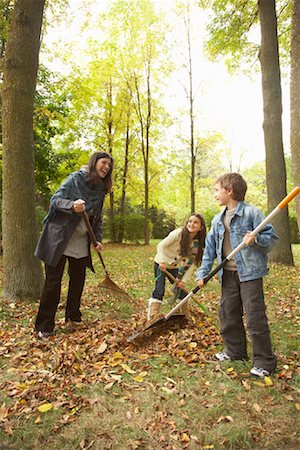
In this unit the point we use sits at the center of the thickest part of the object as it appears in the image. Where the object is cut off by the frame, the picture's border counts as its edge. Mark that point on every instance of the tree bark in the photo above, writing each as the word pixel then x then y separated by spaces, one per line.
pixel 295 100
pixel 22 271
pixel 272 126
pixel 124 182
pixel 110 138
pixel 191 100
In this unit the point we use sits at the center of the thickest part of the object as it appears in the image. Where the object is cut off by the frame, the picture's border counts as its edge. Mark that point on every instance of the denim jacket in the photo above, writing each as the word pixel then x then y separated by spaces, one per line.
pixel 251 261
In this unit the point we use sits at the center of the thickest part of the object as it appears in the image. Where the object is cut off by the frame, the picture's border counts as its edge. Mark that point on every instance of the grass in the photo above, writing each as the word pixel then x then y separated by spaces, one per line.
pixel 164 391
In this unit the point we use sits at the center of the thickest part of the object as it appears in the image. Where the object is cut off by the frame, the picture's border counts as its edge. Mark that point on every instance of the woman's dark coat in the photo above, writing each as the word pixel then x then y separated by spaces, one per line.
pixel 57 231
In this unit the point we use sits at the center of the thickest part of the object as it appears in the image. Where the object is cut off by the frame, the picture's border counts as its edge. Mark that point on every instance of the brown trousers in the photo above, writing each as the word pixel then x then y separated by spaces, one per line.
pixel 238 297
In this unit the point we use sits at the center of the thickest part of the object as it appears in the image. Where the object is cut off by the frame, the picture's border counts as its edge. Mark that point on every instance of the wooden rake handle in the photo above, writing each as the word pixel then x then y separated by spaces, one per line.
pixel 93 238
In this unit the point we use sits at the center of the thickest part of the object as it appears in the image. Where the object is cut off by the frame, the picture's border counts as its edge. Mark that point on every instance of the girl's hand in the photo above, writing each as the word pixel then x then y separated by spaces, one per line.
pixel 163 267
pixel 200 283
pixel 79 206
pixel 98 247
pixel 249 238
pixel 179 283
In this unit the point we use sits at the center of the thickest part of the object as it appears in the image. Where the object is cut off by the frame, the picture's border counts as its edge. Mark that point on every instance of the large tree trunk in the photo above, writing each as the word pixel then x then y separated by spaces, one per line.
pixel 22 271
pixel 295 100
pixel 272 101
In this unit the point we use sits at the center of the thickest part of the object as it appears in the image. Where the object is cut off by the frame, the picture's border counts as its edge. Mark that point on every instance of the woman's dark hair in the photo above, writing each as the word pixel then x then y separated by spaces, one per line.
pixel 185 239
pixel 92 176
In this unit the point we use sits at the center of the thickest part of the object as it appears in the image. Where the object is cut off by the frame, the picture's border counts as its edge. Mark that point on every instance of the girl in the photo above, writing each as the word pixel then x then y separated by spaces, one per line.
pixel 179 253
pixel 64 237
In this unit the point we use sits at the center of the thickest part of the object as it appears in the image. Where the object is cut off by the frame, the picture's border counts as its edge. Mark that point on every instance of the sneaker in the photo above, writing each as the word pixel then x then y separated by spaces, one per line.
pixel 44 335
pixel 222 356
pixel 259 372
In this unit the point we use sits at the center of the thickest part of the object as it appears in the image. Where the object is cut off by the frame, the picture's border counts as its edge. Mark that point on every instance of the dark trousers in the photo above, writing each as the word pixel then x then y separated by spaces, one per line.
pixel 160 282
pixel 238 297
pixel 45 319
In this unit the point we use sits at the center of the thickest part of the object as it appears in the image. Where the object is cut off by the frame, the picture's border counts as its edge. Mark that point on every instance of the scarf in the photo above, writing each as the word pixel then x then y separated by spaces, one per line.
pixel 73 188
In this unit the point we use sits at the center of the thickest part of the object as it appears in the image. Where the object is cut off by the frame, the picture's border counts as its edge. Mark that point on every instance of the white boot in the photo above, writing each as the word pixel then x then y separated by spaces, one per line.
pixel 153 307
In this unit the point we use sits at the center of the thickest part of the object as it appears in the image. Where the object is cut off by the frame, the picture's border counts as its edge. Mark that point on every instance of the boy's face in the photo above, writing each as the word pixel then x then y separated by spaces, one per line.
pixel 222 195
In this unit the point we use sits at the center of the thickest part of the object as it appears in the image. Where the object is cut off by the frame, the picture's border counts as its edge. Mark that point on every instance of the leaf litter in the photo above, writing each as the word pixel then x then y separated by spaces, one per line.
pixel 43 376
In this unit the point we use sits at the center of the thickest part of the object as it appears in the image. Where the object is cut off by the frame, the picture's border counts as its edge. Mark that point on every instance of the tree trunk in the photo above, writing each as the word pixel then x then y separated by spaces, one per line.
pixel 124 180
pixel 110 150
pixel 295 100
pixel 272 126
pixel 22 271
pixel 146 158
pixel 191 99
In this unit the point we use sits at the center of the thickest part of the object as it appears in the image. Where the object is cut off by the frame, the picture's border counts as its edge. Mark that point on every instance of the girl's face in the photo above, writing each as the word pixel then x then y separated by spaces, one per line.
pixel 103 166
pixel 194 225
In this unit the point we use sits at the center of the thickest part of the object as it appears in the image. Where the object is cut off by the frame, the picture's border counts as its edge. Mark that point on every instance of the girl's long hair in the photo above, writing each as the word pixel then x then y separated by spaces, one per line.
pixel 185 240
pixel 92 176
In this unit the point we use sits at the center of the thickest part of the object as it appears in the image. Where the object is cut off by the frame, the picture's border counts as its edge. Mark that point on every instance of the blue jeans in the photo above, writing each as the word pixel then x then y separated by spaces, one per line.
pixel 160 282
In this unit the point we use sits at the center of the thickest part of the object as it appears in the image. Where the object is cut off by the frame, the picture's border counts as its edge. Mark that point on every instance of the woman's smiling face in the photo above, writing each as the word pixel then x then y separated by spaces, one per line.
pixel 103 166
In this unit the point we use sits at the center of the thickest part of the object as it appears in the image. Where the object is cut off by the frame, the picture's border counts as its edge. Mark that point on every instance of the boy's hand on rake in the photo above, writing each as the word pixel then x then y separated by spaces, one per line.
pixel 249 238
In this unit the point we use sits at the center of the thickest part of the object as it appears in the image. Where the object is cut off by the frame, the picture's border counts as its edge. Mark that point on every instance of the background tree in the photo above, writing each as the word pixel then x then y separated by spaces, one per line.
pixel 272 101
pixel 229 37
pixel 22 271
pixel 185 12
pixel 295 100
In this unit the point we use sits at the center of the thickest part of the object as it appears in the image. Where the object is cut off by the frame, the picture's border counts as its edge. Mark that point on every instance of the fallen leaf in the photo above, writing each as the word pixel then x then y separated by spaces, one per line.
pixel 268 381
pixel 257 407
pixel 185 437
pixel 127 368
pixel 139 379
pixel 45 407
pixel 246 385
pixel 225 419
pixel 102 347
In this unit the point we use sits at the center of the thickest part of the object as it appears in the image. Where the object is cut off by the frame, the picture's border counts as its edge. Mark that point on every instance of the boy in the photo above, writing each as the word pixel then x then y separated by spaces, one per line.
pixel 241 278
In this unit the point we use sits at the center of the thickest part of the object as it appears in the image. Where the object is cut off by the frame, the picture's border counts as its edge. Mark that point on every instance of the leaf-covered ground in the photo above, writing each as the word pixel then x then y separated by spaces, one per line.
pixel 90 388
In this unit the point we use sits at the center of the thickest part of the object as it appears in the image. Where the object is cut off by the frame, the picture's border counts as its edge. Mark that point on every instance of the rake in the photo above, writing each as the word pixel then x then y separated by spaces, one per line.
pixel 107 282
pixel 170 315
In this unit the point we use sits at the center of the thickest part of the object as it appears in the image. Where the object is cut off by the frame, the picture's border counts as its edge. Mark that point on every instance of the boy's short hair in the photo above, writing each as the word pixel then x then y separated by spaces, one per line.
pixel 236 183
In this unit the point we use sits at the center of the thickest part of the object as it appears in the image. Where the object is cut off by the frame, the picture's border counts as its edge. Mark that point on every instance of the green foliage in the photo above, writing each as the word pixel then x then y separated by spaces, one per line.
pixel 233 31
pixel 134 225
pixel 6 10
pixel 295 234
pixel 49 114
pixel 162 223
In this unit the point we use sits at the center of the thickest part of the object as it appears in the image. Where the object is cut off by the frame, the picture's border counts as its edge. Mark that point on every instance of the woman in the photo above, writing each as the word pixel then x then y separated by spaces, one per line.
pixel 64 237
pixel 179 253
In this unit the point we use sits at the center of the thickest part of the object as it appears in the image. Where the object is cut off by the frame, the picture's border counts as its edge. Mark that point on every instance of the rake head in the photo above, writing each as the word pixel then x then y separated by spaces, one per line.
pixel 108 283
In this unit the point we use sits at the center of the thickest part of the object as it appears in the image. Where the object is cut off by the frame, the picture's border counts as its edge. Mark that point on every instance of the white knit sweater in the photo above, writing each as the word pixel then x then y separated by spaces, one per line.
pixel 168 252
